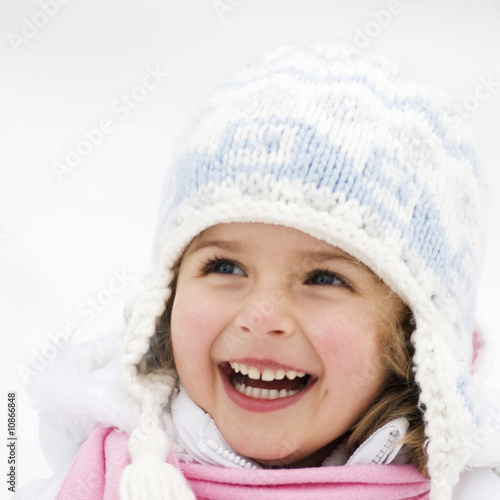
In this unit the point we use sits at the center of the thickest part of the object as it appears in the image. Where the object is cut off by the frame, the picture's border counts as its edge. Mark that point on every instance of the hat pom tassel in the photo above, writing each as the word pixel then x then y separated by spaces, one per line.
pixel 153 481
pixel 149 476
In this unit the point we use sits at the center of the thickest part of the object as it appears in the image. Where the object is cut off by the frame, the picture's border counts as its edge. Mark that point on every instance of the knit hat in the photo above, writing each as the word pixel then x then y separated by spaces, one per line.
pixel 348 148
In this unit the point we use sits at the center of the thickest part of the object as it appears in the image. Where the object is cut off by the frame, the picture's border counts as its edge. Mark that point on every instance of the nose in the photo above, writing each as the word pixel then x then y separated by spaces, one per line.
pixel 267 312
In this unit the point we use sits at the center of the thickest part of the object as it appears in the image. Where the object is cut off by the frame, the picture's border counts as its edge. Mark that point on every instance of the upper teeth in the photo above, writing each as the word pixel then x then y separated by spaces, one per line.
pixel 267 374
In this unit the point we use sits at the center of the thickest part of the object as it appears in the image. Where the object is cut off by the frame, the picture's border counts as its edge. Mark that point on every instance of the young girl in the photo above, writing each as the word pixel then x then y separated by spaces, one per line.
pixel 311 309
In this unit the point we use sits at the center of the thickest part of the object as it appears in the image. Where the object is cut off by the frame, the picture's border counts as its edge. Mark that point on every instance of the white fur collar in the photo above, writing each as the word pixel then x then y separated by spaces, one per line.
pixel 78 390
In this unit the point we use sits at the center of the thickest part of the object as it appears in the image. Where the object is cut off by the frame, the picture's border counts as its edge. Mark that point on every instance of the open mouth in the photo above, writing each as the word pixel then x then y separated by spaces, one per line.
pixel 265 383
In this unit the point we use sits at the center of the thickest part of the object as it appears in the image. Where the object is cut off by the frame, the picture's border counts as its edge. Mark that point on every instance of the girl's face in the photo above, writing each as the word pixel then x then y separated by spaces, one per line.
pixel 277 336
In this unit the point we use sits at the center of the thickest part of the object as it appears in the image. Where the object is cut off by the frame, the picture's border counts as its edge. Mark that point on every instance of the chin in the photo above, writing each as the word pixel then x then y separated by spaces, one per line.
pixel 288 458
pixel 281 454
pixel 283 462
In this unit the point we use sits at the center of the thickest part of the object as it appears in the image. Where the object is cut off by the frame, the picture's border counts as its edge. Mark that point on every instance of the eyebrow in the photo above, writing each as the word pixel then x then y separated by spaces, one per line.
pixel 326 256
pixel 234 246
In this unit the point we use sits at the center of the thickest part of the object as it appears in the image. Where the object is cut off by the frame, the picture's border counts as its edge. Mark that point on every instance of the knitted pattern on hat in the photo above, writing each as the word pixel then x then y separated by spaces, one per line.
pixel 353 151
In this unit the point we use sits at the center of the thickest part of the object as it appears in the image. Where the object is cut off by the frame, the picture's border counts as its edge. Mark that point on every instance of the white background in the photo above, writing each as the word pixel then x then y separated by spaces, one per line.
pixel 61 241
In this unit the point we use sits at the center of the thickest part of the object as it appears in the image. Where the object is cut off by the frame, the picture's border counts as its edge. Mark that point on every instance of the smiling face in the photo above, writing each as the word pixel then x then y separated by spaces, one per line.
pixel 277 336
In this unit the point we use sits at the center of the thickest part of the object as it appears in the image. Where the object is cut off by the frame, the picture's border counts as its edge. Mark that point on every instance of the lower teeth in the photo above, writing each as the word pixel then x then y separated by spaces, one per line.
pixel 256 392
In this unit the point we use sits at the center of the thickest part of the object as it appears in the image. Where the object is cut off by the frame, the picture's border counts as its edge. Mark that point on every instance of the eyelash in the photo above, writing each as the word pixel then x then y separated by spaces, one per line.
pixel 210 265
pixel 333 276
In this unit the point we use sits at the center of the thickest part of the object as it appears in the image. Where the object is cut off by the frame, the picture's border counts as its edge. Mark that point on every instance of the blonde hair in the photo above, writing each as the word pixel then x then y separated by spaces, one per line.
pixel 398 397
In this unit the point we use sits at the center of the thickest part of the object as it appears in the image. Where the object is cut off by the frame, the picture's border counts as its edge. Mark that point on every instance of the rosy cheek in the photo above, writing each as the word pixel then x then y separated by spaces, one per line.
pixel 349 351
pixel 191 328
pixel 193 313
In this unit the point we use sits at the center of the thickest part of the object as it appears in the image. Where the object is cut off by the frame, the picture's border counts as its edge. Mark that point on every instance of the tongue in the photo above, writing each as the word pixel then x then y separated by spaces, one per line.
pixel 289 385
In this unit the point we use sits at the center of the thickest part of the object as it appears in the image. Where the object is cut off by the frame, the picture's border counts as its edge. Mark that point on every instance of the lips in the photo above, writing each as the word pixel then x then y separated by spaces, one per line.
pixel 250 383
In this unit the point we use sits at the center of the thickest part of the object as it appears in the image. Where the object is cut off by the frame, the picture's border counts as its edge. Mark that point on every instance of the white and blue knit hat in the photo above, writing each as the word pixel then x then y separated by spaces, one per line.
pixel 347 148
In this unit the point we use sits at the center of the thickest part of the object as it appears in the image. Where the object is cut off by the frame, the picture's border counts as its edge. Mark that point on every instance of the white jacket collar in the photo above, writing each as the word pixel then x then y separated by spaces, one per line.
pixel 203 442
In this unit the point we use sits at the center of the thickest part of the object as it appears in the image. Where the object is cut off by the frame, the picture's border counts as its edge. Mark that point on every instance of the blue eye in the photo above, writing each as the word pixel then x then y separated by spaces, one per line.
pixel 325 278
pixel 221 266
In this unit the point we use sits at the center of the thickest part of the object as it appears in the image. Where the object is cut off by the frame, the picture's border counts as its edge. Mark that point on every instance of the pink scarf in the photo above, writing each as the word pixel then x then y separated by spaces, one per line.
pixel 96 471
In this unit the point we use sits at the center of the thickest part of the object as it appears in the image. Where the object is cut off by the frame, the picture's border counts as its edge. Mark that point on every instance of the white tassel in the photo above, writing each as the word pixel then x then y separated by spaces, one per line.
pixel 154 481
pixel 149 477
